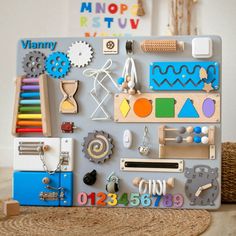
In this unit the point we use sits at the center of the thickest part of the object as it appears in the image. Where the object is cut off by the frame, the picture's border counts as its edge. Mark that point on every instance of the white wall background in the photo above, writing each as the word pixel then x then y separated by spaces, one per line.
pixel 32 18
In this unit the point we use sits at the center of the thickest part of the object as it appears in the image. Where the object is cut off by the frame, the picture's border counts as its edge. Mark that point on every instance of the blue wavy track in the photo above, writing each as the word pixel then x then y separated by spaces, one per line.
pixel 182 75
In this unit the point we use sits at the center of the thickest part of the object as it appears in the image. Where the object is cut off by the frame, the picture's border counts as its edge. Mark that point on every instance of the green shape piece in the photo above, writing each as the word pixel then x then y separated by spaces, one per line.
pixel 165 107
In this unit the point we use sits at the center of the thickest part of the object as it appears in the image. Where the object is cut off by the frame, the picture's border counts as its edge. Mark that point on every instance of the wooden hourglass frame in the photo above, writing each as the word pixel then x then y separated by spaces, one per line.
pixel 68 89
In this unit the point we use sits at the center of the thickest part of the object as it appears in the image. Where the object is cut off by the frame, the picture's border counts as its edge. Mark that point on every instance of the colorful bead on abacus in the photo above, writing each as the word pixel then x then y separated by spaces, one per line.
pixel 205 130
pixel 197 129
pixel 179 139
pixel 189 139
pixel 182 130
pixel 197 139
pixel 189 129
pixel 204 140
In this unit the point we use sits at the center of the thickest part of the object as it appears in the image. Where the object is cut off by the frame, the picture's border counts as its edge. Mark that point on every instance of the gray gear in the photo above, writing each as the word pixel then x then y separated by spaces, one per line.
pixel 34 63
pixel 98 146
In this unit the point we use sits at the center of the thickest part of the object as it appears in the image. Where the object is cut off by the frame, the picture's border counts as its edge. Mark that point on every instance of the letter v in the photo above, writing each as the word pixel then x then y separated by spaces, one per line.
pixel 24 44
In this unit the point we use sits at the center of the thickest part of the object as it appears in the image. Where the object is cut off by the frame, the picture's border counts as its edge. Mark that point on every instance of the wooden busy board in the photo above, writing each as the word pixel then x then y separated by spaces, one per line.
pixel 122 122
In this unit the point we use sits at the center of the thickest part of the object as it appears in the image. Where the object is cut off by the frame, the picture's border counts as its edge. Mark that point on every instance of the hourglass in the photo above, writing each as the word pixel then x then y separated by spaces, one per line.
pixel 68 89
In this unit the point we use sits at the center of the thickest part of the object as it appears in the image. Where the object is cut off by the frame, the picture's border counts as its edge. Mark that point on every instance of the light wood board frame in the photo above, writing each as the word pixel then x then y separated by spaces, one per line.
pixel 187 151
pixel 45 109
pixel 16 103
pixel 197 98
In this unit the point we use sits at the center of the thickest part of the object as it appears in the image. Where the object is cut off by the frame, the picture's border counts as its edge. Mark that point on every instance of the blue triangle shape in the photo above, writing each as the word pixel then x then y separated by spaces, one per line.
pixel 188 110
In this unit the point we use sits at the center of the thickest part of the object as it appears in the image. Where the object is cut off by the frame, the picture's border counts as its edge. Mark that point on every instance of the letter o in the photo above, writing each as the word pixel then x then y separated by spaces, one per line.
pixel 113 8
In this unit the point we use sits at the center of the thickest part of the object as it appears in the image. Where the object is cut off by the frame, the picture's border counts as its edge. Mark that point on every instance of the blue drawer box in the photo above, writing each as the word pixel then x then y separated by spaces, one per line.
pixel 42 189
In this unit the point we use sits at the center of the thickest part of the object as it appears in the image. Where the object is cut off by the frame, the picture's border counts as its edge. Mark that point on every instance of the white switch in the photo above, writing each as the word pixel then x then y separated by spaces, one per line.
pixel 202 47
pixel 127 138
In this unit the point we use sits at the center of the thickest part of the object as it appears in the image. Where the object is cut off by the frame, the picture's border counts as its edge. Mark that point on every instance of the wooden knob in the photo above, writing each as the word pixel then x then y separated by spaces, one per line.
pixel 45 180
pixel 170 182
pixel 45 148
pixel 136 181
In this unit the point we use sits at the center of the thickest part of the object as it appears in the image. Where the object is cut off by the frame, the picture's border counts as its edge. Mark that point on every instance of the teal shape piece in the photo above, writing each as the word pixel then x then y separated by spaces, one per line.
pixel 188 110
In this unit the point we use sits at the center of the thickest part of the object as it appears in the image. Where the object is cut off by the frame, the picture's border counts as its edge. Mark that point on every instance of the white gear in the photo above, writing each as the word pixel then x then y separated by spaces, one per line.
pixel 80 54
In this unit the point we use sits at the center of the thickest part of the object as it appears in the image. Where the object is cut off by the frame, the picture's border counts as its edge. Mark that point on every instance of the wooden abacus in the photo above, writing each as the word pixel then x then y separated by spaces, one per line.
pixel 196 146
pixel 31 109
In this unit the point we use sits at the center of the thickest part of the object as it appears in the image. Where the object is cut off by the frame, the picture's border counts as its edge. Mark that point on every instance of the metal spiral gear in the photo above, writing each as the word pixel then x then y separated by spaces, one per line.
pixel 34 63
pixel 80 54
pixel 98 146
pixel 57 65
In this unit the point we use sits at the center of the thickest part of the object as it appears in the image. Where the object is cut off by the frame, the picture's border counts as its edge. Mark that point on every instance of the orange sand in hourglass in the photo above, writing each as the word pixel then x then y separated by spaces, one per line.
pixel 68 103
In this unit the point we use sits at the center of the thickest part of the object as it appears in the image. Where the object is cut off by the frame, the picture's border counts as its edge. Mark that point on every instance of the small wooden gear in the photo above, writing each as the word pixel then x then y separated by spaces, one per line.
pixel 68 103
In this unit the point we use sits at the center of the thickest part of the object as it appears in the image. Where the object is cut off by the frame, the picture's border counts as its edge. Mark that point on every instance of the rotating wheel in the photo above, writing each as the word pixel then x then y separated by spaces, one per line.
pixel 98 146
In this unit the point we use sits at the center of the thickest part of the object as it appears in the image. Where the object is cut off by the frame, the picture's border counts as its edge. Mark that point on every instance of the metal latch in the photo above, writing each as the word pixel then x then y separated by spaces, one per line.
pixel 65 158
pixel 48 196
pixel 31 148
pixel 52 195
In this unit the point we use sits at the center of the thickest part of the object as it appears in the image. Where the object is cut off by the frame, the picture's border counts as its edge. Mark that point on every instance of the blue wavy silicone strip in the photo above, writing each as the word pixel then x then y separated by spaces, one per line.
pixel 183 75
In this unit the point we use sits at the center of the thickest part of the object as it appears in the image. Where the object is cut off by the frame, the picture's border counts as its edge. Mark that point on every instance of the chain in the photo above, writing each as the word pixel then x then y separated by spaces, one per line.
pixel 146 137
pixel 45 165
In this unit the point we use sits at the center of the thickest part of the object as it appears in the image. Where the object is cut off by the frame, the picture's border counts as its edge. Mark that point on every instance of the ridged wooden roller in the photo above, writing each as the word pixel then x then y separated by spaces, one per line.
pixel 161 46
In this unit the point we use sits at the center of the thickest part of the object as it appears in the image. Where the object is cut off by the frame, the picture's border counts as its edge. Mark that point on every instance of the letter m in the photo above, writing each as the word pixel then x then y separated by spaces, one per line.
pixel 86 6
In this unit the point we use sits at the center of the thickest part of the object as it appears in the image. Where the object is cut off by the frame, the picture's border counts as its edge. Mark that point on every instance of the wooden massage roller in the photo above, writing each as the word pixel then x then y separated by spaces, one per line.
pixel 162 45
